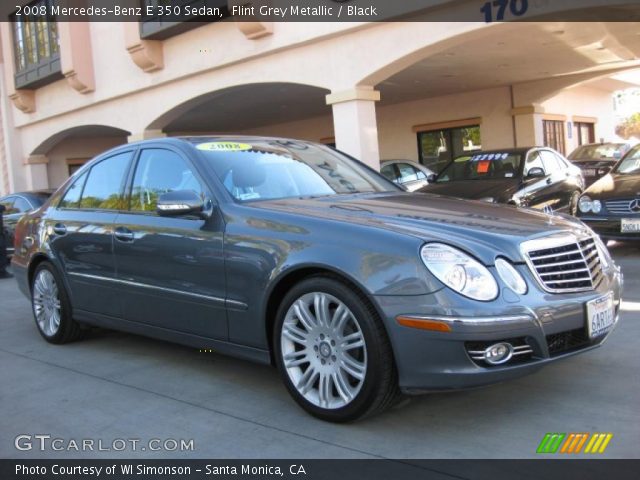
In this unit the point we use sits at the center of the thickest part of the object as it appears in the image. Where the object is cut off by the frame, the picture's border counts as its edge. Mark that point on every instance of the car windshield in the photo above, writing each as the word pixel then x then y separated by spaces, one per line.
pixel 482 166
pixel 38 199
pixel 276 169
pixel 630 163
pixel 605 151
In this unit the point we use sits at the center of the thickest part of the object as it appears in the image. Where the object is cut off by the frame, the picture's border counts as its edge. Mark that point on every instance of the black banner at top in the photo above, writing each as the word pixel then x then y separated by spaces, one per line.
pixel 162 11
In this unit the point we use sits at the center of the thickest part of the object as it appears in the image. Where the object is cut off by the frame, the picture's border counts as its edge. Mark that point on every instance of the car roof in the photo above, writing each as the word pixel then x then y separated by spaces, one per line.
pixel 197 139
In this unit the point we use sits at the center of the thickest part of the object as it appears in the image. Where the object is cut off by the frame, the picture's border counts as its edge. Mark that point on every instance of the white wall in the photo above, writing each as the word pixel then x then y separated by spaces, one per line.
pixel 587 102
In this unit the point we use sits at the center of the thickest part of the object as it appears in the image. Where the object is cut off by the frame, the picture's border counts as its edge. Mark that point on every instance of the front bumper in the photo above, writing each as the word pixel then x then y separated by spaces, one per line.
pixel 609 227
pixel 552 325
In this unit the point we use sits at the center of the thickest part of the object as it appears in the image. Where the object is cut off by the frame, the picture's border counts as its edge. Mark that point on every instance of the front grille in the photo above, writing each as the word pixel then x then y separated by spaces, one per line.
pixel 622 207
pixel 567 341
pixel 571 265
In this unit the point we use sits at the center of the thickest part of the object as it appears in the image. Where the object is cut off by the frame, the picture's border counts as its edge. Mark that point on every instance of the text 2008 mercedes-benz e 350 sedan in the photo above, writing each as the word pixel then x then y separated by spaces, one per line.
pixel 290 252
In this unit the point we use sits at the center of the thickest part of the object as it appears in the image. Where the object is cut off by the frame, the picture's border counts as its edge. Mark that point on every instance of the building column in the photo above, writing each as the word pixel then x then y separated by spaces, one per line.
pixel 355 124
pixel 36 170
pixel 527 123
pixel 146 135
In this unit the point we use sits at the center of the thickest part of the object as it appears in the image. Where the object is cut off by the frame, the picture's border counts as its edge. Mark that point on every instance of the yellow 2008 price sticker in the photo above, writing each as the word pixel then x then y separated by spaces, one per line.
pixel 224 146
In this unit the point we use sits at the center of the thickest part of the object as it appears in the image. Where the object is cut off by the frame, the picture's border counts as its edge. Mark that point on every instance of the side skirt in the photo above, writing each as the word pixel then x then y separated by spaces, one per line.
pixel 232 349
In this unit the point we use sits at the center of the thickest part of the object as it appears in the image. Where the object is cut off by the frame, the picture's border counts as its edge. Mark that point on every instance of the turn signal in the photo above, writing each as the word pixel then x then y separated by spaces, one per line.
pixel 423 324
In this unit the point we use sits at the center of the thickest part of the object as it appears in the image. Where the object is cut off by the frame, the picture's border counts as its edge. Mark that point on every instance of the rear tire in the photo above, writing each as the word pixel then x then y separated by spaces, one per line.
pixel 51 306
pixel 333 352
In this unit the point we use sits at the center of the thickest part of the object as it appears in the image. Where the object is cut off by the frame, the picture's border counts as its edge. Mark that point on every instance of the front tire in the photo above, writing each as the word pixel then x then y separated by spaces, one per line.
pixel 51 306
pixel 333 352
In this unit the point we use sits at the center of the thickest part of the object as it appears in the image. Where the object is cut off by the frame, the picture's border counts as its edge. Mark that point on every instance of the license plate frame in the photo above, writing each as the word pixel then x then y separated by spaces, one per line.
pixel 630 225
pixel 601 317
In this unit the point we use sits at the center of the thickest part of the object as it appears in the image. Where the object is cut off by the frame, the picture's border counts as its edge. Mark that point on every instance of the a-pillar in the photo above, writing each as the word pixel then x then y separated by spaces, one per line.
pixel 355 124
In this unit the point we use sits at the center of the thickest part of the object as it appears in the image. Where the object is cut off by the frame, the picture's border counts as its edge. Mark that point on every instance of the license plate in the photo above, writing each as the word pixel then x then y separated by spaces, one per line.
pixel 628 225
pixel 600 315
pixel 589 172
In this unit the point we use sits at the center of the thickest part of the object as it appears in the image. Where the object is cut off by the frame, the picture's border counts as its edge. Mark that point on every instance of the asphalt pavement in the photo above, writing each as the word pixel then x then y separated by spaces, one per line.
pixel 117 389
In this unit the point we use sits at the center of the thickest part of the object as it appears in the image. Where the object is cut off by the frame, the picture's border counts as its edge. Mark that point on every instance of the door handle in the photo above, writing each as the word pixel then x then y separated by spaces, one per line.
pixel 124 234
pixel 549 181
pixel 59 229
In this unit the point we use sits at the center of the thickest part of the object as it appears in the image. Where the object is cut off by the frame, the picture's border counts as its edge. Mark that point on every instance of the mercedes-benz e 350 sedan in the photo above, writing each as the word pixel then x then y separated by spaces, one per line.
pixel 290 252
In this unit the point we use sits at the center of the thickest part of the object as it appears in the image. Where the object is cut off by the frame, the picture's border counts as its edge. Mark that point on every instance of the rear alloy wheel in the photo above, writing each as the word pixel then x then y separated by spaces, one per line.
pixel 51 308
pixel 332 351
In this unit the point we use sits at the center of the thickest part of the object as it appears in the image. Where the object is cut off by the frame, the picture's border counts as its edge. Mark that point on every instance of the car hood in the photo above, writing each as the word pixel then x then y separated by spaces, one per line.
pixel 499 189
pixel 616 185
pixel 484 229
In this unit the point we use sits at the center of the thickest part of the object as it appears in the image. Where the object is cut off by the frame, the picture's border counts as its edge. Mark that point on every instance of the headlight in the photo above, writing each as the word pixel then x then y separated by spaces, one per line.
pixel 459 271
pixel 585 204
pixel 596 206
pixel 511 276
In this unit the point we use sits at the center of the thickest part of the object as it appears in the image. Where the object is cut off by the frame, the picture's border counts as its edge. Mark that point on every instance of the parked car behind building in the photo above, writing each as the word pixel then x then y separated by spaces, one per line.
pixel 16 206
pixel 536 177
pixel 410 175
pixel 597 159
pixel 611 206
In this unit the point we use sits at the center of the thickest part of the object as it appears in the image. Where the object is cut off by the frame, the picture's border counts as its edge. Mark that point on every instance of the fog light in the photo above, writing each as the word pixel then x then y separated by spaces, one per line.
pixel 498 353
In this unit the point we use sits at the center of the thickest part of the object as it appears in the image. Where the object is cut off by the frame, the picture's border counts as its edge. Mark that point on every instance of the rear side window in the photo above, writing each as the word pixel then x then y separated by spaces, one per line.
pixel 389 171
pixel 103 187
pixel 160 171
pixel 71 198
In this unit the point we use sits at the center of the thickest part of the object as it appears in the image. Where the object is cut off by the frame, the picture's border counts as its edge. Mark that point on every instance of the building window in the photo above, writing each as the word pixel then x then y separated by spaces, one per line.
pixel 438 147
pixel 36 47
pixel 585 133
pixel 554 135
pixel 75 164
pixel 168 17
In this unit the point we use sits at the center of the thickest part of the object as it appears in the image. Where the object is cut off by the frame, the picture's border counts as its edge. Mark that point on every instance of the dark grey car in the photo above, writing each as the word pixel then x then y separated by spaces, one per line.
pixel 288 252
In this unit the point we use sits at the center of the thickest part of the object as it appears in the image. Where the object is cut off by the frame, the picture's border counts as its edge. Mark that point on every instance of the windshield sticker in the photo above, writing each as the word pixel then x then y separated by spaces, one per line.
pixel 483 166
pixel 224 146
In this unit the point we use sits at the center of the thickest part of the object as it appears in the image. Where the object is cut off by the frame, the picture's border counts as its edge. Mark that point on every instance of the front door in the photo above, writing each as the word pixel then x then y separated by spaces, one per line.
pixel 171 269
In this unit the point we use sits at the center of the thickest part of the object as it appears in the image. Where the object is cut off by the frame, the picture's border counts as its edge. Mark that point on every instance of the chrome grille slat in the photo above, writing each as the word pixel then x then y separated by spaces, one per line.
pixel 620 207
pixel 565 263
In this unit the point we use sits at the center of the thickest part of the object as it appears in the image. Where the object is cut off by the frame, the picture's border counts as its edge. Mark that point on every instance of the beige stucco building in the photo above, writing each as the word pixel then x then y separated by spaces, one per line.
pixel 421 91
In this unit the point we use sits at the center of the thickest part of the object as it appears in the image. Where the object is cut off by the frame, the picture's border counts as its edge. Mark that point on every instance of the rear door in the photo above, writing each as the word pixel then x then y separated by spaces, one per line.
pixel 171 268
pixel 81 234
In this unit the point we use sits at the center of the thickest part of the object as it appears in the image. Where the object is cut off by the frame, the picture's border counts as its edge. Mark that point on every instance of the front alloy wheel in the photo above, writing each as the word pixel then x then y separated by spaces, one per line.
pixel 333 352
pixel 324 350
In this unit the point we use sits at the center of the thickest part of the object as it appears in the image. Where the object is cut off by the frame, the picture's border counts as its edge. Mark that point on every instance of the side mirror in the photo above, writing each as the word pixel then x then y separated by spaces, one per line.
pixel 180 202
pixel 536 172
pixel 432 177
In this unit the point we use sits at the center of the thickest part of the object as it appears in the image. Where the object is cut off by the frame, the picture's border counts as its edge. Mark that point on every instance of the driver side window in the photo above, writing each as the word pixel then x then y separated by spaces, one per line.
pixel 533 161
pixel 160 171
